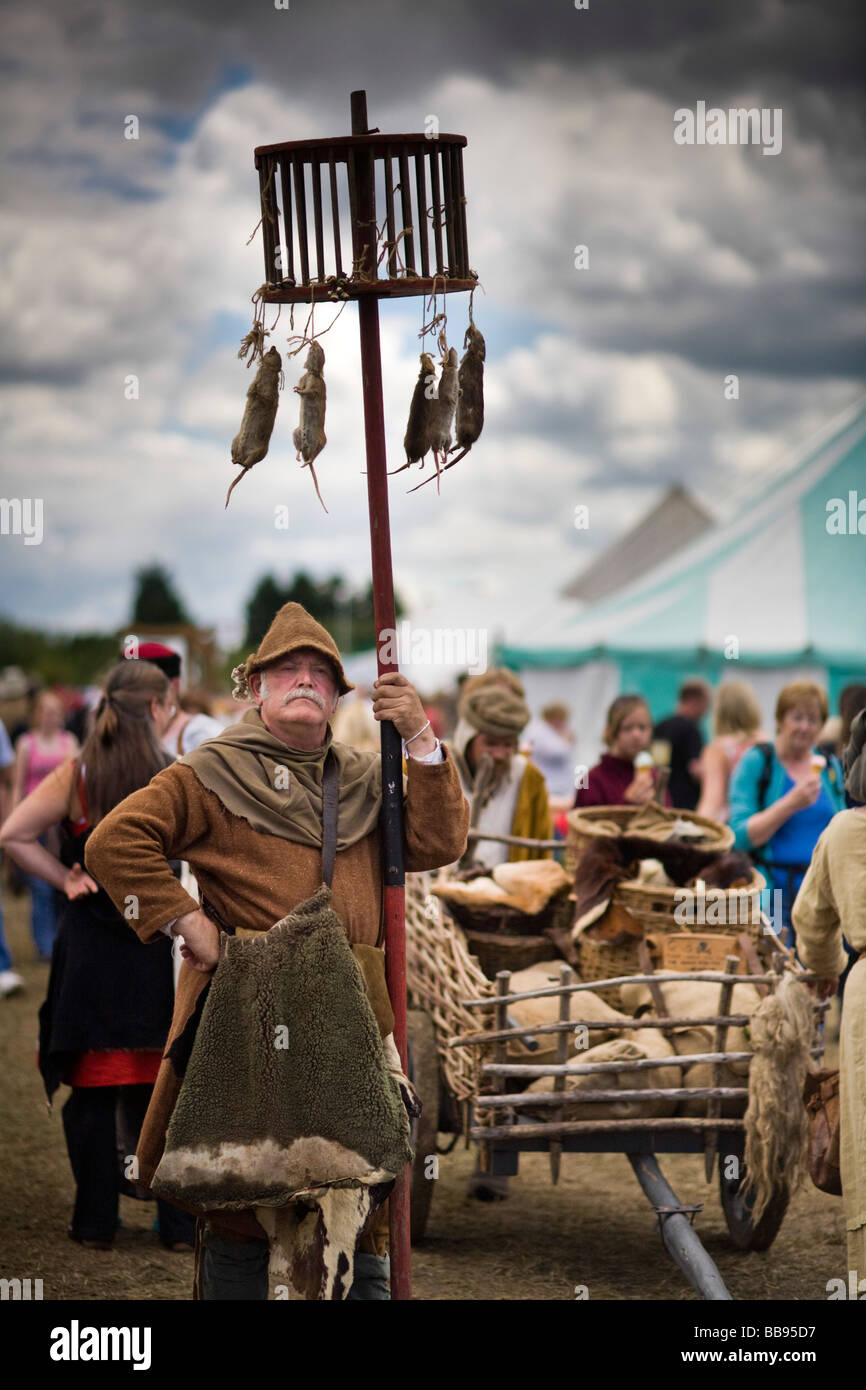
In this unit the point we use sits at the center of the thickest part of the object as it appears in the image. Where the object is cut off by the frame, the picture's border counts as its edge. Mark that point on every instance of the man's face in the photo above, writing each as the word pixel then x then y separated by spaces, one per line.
pixel 501 750
pixel 296 695
pixel 696 706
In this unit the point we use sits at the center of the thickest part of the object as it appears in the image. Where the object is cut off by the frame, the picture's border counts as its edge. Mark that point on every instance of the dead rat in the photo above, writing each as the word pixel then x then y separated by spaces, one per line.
pixel 446 405
pixel 418 439
pixel 309 438
pixel 250 444
pixel 470 403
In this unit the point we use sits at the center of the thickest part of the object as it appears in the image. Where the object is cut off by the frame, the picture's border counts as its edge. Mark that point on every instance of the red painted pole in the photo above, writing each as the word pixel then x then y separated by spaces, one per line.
pixel 385 619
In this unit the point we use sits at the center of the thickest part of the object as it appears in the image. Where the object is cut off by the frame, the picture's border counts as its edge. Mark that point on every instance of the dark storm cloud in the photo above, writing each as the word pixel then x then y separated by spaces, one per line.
pixel 602 386
pixel 324 49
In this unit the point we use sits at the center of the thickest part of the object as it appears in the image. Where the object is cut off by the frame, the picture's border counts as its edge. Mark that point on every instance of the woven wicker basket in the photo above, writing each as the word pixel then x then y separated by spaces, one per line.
pixel 502 938
pixel 601 961
pixel 654 906
pixel 588 823
pixel 494 952
pixel 508 921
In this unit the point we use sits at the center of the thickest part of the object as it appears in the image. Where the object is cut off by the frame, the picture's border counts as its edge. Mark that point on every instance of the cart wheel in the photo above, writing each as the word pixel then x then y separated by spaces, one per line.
pixel 744 1234
pixel 423 1062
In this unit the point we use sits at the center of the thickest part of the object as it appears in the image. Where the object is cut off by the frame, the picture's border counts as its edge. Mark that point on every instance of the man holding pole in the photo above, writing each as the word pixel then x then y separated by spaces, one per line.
pixel 246 810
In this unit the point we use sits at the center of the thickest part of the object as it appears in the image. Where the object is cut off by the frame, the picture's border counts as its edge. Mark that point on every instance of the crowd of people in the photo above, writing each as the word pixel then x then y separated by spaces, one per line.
pixel 86 816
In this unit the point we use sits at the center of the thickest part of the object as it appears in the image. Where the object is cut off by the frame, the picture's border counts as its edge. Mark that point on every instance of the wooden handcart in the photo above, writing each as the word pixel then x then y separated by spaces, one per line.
pixel 459 1034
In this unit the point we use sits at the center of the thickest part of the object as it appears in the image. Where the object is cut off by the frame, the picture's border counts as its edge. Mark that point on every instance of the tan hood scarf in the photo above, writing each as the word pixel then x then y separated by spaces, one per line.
pixel 278 789
pixel 497 711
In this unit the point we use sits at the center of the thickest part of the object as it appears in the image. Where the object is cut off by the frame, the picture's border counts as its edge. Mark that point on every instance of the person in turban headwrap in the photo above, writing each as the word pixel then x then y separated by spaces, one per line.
pixel 506 792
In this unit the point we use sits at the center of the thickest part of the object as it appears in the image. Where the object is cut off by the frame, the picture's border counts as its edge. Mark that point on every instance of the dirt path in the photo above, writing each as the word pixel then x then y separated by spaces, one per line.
pixel 594 1229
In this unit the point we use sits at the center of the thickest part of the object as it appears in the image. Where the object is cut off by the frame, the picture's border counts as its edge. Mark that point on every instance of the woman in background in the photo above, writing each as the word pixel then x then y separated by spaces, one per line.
pixel 736 727
pixel 784 794
pixel 39 751
pixel 615 780
pixel 109 1004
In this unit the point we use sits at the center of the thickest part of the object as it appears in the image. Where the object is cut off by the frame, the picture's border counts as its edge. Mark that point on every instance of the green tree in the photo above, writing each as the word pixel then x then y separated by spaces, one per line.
pixel 156 600
pixel 347 614
pixel 262 604
pixel 57 658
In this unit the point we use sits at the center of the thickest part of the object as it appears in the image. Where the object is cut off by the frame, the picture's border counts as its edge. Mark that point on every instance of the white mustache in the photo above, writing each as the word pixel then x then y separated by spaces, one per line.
pixel 304 693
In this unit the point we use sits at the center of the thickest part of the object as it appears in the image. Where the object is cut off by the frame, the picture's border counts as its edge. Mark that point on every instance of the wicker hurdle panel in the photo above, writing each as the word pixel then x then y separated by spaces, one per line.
pixel 439 973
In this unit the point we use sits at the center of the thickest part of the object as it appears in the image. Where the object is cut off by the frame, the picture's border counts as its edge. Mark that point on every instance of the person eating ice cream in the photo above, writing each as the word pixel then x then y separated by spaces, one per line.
pixel 625 775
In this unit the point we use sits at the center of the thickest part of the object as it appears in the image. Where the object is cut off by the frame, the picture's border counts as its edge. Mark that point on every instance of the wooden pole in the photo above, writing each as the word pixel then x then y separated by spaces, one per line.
pixel 714 1106
pixel 383 609
pixel 562 1059
pixel 678 1236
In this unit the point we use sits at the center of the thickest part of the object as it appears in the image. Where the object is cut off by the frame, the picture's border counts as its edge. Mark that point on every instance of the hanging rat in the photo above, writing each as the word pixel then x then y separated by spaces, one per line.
pixel 470 397
pixel 418 440
pixel 445 406
pixel 309 438
pixel 250 444
pixel 470 403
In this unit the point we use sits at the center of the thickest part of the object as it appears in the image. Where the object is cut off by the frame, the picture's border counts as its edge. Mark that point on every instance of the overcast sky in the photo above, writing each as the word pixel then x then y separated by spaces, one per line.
pixel 603 385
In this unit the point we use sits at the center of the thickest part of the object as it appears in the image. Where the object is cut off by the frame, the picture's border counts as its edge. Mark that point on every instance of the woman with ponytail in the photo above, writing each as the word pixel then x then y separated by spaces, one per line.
pixel 109 1001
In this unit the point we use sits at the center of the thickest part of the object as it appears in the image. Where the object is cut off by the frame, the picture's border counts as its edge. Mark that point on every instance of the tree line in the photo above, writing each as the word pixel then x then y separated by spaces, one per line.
pixel 55 658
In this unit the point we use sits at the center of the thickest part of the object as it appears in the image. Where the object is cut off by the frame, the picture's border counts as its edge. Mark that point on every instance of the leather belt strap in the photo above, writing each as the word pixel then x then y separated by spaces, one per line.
pixel 330 797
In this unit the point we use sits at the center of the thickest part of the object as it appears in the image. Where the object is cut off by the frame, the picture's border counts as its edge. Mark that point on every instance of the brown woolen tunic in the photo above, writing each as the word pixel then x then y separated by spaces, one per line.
pixel 251 878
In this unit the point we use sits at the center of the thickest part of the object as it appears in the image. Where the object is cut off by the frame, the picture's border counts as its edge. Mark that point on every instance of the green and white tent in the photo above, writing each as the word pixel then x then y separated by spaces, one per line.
pixel 775 593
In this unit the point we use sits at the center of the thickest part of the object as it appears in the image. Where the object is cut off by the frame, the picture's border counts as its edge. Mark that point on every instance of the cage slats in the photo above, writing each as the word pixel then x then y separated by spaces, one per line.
pixel 335 214
pixel 422 227
pixel 416 182
pixel 301 205
pixel 436 201
pixel 288 229
pixel 391 228
pixel 448 200
pixel 351 175
pixel 316 173
pixel 270 231
pixel 406 205
pixel 459 212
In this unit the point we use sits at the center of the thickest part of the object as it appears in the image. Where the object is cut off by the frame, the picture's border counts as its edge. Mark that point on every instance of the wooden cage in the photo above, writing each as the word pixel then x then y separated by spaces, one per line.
pixel 363 214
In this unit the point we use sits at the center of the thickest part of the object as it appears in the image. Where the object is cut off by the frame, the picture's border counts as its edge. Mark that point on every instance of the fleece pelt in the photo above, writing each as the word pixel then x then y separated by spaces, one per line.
pixel 287 1087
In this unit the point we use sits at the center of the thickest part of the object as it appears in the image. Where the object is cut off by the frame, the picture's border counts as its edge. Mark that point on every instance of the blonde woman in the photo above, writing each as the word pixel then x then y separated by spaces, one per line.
pixel 784 793
pixel 736 728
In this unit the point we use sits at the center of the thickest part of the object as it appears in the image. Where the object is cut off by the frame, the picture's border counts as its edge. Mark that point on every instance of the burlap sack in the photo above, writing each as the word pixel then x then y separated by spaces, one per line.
pixel 585 1007
pixel 646 1042
pixel 699 999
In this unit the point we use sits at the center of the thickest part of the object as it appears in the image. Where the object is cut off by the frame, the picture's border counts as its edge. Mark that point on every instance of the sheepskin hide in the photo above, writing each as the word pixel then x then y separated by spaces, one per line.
pixel 287 1093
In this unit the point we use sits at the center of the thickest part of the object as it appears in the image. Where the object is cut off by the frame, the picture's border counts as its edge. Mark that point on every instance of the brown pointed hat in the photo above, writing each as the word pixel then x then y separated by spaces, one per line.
pixel 293 627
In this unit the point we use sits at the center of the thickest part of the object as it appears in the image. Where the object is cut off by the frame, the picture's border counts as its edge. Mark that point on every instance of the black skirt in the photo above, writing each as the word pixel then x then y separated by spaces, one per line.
pixel 106 988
